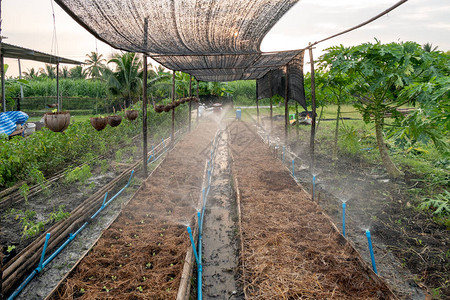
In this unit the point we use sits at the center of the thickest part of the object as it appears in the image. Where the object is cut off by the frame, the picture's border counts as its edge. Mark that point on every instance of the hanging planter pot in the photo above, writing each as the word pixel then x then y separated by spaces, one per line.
pixel 168 107
pixel 131 114
pixel 159 108
pixel 183 100
pixel 114 120
pixel 99 123
pixel 57 121
pixel 177 102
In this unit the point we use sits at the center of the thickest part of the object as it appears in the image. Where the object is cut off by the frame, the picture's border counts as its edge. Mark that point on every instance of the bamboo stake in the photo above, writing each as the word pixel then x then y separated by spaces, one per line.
pixel 313 108
pixel 173 108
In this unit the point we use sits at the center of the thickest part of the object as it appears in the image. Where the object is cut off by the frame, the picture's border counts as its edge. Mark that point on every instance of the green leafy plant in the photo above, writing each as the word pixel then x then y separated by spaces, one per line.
pixel 79 174
pixel 60 214
pixel 10 248
pixel 440 204
pixel 24 191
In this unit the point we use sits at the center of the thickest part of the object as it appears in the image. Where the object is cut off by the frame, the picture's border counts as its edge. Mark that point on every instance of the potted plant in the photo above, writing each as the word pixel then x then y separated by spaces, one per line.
pixel 114 120
pixel 57 121
pixel 99 123
pixel 131 114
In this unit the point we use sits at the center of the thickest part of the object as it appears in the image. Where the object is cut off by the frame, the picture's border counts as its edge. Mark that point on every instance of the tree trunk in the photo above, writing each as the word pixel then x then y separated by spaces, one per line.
pixel 392 170
pixel 336 132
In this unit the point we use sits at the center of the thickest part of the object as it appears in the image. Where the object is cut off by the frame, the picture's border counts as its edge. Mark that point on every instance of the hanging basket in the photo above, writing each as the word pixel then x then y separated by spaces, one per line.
pixel 114 120
pixel 99 123
pixel 57 121
pixel 177 102
pixel 168 107
pixel 159 108
pixel 131 114
pixel 183 100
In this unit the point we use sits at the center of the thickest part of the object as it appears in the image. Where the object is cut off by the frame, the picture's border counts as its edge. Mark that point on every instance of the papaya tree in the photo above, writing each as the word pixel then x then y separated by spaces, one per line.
pixel 338 83
pixel 379 72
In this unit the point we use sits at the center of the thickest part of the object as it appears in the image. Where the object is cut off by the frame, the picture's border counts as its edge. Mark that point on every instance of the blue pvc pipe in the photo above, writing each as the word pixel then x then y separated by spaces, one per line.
pixel 343 217
pixel 149 158
pixel 372 257
pixel 47 237
pixel 314 187
pixel 293 172
pixel 189 230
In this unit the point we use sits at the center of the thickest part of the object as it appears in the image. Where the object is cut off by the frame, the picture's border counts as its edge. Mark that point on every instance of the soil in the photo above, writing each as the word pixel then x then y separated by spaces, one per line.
pixel 141 255
pixel 411 249
pixel 290 248
pixel 220 242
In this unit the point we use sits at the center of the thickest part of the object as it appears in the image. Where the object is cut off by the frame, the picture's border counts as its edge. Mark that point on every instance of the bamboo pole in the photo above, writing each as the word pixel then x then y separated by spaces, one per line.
pixel 173 108
pixel 286 105
pixel 144 118
pixel 190 102
pixel 198 103
pixel 257 103
pixel 313 108
pixel 2 70
pixel 58 100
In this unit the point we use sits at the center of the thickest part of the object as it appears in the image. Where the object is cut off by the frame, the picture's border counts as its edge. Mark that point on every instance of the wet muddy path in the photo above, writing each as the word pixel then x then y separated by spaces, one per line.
pixel 220 249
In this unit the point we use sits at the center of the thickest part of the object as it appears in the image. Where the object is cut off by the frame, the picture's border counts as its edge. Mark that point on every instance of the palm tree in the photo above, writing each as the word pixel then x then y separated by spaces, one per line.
pixel 77 73
pixel 96 65
pixel 31 74
pixel 126 80
pixel 428 47
pixel 64 73
pixel 48 72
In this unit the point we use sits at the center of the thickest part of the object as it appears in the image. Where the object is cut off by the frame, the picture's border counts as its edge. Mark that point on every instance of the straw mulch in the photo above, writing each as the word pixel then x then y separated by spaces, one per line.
pixel 141 255
pixel 291 250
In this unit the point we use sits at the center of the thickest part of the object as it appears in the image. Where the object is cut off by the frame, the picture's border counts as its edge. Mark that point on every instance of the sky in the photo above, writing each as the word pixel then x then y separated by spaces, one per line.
pixel 29 23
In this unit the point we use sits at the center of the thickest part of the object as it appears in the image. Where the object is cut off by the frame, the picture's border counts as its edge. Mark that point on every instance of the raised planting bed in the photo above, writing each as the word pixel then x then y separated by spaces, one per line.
pixel 290 248
pixel 142 254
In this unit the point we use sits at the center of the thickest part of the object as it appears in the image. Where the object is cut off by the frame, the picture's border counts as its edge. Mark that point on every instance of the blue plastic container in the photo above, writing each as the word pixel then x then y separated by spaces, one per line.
pixel 238 114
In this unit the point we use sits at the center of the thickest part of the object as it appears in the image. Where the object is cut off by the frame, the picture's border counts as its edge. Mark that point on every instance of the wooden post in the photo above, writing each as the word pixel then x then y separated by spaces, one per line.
pixel 257 103
pixel 144 117
pixel 286 105
pixel 297 123
pixel 271 115
pixel 2 70
pixel 190 102
pixel 313 107
pixel 21 87
pixel 173 109
pixel 198 103
pixel 58 104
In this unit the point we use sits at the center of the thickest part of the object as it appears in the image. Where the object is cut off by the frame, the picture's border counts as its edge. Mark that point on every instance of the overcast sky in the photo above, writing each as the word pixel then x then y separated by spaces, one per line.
pixel 29 23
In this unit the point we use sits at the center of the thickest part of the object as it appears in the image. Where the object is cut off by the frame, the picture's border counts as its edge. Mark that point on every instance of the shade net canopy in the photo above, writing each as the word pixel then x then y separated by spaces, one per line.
pixel 213 40
pixel 273 82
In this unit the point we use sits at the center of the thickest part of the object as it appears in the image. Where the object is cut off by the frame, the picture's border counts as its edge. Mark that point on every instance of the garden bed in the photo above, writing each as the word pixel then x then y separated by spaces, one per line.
pixel 290 248
pixel 141 255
